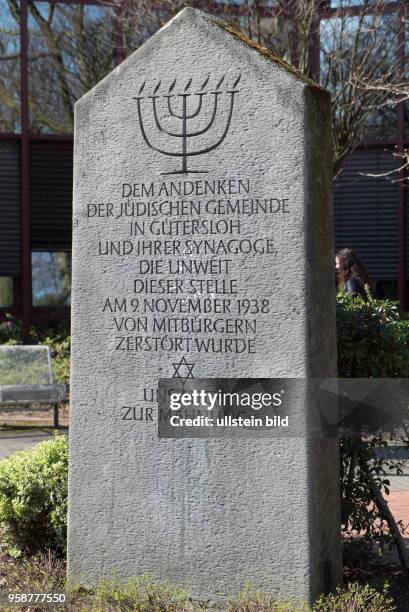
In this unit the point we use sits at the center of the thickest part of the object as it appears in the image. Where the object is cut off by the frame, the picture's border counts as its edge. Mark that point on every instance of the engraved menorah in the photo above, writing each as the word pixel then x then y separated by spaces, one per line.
pixel 185 115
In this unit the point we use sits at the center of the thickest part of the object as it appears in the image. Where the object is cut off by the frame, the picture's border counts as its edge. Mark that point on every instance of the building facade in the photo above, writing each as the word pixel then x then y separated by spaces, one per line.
pixel 39 82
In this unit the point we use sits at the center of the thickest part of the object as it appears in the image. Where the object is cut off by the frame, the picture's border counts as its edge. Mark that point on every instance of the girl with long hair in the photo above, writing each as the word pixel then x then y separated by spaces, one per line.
pixel 352 275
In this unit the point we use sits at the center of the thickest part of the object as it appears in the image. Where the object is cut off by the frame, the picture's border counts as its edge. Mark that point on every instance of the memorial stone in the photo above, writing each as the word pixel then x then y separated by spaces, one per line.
pixel 202 248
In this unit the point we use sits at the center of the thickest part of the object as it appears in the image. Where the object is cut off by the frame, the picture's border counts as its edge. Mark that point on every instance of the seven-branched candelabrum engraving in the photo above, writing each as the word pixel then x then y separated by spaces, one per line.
pixel 185 115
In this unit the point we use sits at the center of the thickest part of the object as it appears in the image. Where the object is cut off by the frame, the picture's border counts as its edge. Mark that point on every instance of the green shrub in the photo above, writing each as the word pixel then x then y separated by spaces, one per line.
pixel 372 339
pixel 33 498
pixel 352 598
pixel 251 600
pixel 144 594
pixel 355 598
pixel 60 353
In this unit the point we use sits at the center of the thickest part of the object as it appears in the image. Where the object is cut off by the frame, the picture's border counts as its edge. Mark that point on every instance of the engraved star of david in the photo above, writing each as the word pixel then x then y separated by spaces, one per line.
pixel 188 370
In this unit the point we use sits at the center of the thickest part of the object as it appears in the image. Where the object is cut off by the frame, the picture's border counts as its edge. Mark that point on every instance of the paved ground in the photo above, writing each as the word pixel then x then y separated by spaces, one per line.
pixel 398 501
pixel 15 441
pixel 399 504
pixel 399 483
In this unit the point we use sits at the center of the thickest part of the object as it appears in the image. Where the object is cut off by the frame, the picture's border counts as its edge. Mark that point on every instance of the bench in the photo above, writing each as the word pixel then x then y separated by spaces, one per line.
pixel 26 380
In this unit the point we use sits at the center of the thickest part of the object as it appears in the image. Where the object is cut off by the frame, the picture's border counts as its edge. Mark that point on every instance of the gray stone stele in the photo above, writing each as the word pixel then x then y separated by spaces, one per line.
pixel 211 514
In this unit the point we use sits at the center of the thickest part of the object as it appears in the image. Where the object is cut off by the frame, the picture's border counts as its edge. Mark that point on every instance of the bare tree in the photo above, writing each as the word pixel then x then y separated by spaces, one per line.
pixel 354 49
pixel 9 76
pixel 72 48
pixel 341 49
pixel 391 95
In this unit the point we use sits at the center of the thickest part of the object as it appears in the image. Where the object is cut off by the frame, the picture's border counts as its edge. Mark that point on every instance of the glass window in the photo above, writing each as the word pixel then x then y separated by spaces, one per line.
pixel 345 3
pixel 51 273
pixel 6 291
pixel 351 3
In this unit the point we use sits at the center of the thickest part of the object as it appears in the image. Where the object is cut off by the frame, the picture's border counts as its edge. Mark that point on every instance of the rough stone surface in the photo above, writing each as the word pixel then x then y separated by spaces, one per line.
pixel 213 514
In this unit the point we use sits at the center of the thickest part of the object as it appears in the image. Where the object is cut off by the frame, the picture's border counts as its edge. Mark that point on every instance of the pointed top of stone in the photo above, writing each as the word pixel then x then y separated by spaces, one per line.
pixel 209 28
pixel 193 15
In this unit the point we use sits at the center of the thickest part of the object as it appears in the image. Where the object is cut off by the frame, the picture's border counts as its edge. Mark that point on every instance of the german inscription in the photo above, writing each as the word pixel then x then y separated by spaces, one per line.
pixel 183 238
